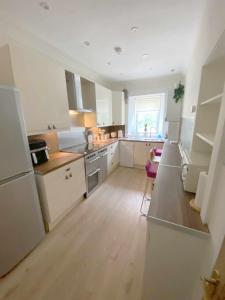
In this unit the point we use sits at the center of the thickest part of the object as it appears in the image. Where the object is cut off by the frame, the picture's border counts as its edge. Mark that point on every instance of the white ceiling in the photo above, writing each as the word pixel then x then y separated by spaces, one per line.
pixel 167 31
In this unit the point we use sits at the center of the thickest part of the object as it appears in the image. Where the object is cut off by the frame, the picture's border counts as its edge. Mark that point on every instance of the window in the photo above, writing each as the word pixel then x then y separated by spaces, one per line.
pixel 146 115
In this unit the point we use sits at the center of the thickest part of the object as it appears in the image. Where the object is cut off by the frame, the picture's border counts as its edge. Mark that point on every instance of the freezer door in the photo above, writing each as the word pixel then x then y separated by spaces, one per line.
pixel 21 224
pixel 14 150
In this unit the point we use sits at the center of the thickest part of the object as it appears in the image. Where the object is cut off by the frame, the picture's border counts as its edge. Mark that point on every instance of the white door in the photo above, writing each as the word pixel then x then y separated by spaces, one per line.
pixel 126 154
pixel 140 153
pixel 42 84
pixel 14 152
pixel 21 225
pixel 103 105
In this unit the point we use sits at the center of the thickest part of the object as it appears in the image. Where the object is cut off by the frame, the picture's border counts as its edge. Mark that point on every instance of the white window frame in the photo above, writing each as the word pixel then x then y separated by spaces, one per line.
pixel 132 124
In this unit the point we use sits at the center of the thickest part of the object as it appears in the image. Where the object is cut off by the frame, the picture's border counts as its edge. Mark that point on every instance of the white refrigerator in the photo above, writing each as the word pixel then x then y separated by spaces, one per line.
pixel 21 223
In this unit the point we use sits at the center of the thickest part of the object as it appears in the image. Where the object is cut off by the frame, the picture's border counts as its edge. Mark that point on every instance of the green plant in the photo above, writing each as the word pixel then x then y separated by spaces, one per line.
pixel 178 92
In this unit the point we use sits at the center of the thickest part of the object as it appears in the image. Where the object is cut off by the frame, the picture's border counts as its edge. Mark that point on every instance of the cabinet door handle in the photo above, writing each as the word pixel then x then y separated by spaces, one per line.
pixel 66 177
pixel 54 127
pixel 71 175
pixel 49 127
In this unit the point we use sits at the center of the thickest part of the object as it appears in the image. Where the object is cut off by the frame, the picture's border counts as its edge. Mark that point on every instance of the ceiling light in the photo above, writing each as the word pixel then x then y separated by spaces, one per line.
pixel 134 29
pixel 44 5
pixel 86 43
pixel 146 55
pixel 118 49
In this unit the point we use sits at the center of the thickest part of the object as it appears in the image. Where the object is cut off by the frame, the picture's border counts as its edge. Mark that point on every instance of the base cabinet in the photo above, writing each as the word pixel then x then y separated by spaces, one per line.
pixel 141 152
pixel 126 154
pixel 113 157
pixel 60 190
pixel 174 256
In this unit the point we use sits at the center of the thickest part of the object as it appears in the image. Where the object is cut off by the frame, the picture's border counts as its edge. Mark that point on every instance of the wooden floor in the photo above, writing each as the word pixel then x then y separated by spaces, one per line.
pixel 96 253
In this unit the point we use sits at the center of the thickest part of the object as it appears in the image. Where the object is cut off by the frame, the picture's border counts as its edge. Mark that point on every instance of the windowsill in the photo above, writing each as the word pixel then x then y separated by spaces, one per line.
pixel 145 138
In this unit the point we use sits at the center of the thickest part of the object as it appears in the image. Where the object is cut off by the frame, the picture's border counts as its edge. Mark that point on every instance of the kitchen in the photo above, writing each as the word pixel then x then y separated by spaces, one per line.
pixel 73 160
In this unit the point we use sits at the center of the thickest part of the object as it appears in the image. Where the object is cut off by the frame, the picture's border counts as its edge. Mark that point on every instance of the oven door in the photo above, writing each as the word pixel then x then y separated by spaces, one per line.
pixel 93 181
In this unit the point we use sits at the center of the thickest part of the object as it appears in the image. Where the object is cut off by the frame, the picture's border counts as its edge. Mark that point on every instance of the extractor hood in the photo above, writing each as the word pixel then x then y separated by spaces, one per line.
pixel 80 92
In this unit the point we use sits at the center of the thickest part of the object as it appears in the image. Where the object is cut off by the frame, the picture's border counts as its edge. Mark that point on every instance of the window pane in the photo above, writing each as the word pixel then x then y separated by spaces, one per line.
pixel 148 119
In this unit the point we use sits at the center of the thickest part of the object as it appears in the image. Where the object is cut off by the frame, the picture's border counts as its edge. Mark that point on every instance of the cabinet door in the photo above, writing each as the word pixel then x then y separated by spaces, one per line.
pixel 118 108
pixel 109 159
pixel 113 156
pixel 141 150
pixel 103 105
pixel 78 182
pixel 63 188
pixel 116 154
pixel 126 152
pixel 42 84
pixel 57 188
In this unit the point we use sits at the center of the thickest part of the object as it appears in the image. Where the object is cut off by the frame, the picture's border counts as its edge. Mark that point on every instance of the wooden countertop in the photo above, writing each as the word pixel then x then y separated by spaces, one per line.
pixel 104 143
pixel 170 203
pixel 56 160
pixel 171 155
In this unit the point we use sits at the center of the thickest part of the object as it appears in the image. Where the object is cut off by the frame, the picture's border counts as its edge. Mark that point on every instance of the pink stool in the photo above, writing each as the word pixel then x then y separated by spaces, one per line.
pixel 157 151
pixel 151 172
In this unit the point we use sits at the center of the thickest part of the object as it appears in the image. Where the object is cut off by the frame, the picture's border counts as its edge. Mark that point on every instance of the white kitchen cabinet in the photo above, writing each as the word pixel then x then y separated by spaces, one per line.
pixel 103 105
pixel 113 157
pixel 141 152
pixel 42 85
pixel 126 153
pixel 60 190
pixel 118 108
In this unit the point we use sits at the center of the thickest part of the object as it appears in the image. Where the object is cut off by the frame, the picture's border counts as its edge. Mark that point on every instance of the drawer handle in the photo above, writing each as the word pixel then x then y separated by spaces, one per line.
pixel 68 169
pixel 66 177
pixel 71 175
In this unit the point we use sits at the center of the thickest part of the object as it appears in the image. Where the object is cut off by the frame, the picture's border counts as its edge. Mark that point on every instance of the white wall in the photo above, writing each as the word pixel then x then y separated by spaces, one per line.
pixel 164 84
pixel 12 33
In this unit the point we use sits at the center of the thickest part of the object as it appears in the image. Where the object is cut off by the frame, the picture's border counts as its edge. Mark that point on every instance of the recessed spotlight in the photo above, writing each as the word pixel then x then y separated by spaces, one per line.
pixel 146 55
pixel 86 43
pixel 118 49
pixel 134 28
pixel 44 5
pixel 109 63
pixel 172 70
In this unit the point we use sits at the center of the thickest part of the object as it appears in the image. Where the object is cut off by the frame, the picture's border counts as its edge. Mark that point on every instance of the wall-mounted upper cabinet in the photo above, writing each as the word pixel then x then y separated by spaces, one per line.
pixel 103 105
pixel 118 108
pixel 80 92
pixel 42 85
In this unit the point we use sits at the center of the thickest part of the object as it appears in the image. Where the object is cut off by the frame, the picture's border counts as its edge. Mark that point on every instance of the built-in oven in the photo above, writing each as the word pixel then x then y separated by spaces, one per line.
pixel 92 169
